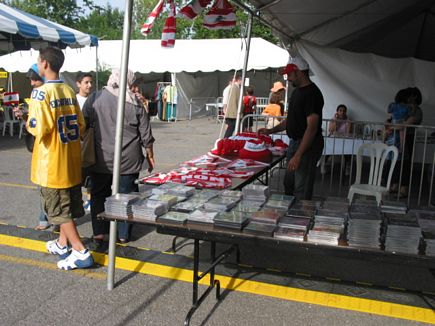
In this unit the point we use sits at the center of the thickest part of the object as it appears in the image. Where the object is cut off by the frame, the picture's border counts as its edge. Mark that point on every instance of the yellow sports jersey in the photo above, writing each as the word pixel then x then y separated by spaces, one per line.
pixel 55 119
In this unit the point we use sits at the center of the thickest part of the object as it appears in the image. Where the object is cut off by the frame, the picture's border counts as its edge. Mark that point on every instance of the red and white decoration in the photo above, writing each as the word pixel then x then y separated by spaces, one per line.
pixel 170 28
pixel 11 98
pixel 222 15
pixel 146 27
pixel 193 8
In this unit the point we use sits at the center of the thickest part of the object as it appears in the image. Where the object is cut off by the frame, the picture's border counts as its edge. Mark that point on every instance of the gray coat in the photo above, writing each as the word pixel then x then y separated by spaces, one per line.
pixel 100 110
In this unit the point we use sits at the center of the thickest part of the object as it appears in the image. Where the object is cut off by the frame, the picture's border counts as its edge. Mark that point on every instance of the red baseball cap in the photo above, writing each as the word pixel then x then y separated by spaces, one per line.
pixel 294 64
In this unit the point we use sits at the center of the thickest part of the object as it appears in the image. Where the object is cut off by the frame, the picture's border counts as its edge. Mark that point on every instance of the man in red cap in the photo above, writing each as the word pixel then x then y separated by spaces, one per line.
pixel 304 128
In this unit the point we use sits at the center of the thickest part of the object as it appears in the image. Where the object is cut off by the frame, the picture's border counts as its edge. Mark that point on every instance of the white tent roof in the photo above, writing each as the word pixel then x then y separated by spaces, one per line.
pixel 148 56
pixel 389 28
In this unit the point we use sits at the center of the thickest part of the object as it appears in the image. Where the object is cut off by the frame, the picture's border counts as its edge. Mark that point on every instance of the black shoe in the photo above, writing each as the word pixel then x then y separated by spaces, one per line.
pixel 124 241
pixel 97 241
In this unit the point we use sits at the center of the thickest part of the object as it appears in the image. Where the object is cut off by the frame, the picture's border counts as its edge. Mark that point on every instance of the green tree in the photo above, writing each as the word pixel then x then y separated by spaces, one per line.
pixel 104 22
pixel 65 12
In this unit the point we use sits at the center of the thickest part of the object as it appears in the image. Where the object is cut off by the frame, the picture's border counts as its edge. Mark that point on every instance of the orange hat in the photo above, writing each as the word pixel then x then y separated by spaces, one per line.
pixel 277 86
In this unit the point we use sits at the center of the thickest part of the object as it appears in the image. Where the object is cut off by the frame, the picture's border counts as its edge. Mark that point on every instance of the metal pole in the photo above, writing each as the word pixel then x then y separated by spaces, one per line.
pixel 245 66
pixel 286 96
pixel 119 131
pixel 96 68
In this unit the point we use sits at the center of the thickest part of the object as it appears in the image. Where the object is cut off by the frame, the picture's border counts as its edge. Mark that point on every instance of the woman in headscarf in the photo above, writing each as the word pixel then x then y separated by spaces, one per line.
pixel 100 111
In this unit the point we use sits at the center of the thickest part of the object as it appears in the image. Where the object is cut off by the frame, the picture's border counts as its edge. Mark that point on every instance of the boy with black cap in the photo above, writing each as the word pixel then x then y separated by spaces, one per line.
pixel 304 128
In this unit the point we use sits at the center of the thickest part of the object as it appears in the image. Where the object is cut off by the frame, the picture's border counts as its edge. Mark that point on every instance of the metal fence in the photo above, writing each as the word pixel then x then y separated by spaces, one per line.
pixel 413 173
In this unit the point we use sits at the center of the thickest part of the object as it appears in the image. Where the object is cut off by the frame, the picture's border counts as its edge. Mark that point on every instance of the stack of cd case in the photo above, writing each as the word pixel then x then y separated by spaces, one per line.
pixel 247 206
pixel 426 220
pixel 181 191
pixel 392 206
pixel 188 206
pixel 202 216
pixel 330 219
pixel 328 226
pixel 119 205
pixel 301 213
pixel 168 199
pixel 173 218
pixel 255 192
pixel 279 201
pixel 221 204
pixel 206 194
pixel 231 220
pixel 267 215
pixel 364 230
pixel 292 234
pixel 297 223
pixel 145 209
pixel 232 194
pixel 429 240
pixel 403 233
pixel 261 229
pixel 324 235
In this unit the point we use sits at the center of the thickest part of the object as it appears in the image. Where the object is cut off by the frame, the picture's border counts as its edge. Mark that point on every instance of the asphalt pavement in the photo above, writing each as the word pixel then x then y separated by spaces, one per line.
pixel 152 286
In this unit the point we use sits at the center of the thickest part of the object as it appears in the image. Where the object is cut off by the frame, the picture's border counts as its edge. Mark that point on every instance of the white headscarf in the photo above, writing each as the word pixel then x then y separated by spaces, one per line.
pixel 113 85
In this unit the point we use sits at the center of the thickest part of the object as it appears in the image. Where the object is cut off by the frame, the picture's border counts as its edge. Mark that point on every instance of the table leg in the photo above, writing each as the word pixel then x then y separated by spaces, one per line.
pixel 196 302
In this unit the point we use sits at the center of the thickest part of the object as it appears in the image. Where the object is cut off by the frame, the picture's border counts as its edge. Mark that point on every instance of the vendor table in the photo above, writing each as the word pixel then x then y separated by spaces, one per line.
pixel 232 238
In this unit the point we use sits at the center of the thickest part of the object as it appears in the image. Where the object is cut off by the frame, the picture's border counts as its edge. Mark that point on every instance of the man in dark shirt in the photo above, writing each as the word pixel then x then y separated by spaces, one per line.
pixel 303 127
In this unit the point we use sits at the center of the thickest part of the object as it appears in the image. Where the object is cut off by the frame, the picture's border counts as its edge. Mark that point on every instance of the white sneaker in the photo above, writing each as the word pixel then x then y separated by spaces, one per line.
pixel 87 206
pixel 54 249
pixel 76 260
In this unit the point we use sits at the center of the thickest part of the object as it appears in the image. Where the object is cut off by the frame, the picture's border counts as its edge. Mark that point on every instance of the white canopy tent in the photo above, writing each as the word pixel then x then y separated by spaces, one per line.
pixel 147 56
pixel 202 67
pixel 361 51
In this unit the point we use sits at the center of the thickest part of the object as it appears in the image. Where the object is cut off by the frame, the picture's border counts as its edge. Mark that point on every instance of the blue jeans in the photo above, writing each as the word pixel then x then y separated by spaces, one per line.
pixel 101 189
pixel 300 183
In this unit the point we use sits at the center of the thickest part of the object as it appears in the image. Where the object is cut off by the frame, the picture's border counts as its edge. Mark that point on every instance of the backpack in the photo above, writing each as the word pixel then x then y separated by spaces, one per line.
pixel 249 107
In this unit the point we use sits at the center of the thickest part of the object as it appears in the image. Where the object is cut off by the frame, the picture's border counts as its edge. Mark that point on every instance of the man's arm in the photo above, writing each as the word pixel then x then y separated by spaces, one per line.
pixel 307 140
pixel 278 128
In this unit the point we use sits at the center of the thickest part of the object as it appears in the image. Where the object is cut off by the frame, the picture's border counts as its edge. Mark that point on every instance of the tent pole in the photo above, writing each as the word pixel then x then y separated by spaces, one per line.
pixel 119 134
pixel 96 68
pixel 245 66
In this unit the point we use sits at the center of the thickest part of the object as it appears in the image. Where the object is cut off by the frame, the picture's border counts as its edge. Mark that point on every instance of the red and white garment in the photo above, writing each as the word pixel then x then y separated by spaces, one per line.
pixel 256 150
pixel 227 146
pixel 193 8
pixel 253 135
pixel 200 160
pixel 241 164
pixel 233 174
pixel 146 27
pixel 203 179
pixel 170 28
pixel 221 16
pixel 156 178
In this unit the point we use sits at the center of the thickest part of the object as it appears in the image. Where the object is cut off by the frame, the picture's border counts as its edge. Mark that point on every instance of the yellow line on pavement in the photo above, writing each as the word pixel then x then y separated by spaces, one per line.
pixel 236 284
pixel 52 266
pixel 6 184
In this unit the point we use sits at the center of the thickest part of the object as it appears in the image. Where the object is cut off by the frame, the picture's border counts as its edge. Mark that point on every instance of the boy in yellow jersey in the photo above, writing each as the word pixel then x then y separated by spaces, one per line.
pixel 56 122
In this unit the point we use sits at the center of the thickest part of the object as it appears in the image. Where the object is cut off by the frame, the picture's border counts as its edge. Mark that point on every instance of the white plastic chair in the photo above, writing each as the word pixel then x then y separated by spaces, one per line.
pixel 378 153
pixel 9 120
pixel 22 126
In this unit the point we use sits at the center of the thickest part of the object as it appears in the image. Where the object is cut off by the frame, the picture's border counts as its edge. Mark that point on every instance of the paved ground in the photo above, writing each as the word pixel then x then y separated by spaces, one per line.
pixel 34 292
